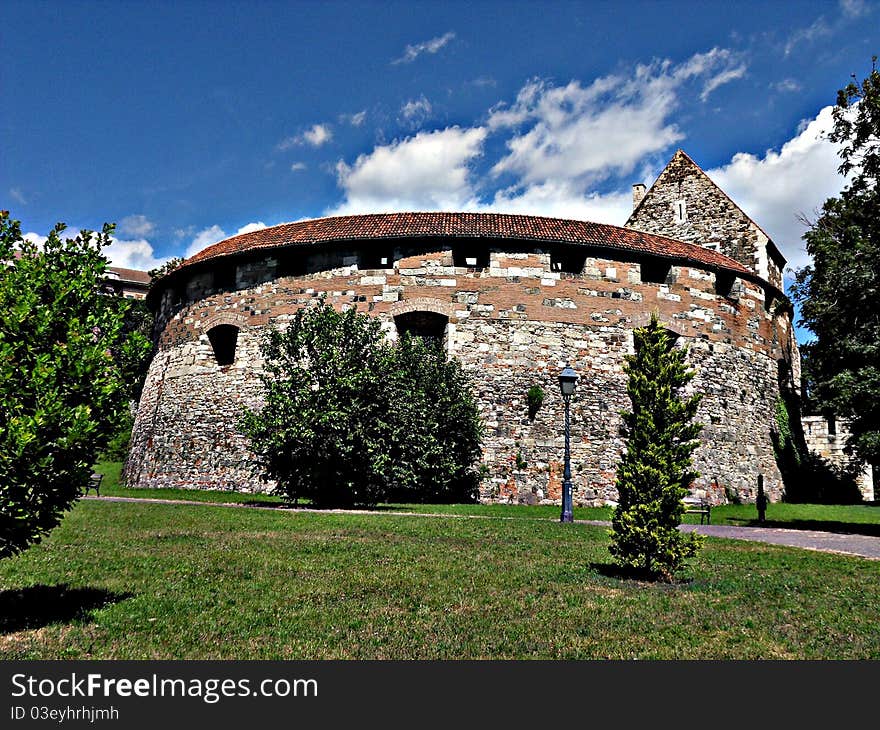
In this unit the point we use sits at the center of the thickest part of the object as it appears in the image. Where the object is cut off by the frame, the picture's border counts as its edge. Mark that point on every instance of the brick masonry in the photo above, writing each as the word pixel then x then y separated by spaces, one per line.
pixel 514 321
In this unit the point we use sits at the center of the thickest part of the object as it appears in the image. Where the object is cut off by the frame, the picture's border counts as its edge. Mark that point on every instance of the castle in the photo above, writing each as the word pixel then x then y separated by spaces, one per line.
pixel 515 298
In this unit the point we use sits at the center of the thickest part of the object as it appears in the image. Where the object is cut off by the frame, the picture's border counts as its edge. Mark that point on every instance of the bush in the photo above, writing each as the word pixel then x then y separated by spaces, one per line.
pixel 655 471
pixel 350 419
pixel 64 359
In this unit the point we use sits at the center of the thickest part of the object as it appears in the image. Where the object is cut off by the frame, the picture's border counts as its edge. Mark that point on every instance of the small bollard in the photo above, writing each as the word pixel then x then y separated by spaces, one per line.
pixel 761 501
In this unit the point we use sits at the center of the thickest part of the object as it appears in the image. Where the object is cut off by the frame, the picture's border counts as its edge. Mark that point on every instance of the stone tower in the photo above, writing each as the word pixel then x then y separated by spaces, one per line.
pixel 683 203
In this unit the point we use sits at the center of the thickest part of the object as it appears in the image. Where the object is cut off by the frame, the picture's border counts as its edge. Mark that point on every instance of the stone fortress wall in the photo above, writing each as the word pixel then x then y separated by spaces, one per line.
pixel 516 298
pixel 827 438
pixel 514 318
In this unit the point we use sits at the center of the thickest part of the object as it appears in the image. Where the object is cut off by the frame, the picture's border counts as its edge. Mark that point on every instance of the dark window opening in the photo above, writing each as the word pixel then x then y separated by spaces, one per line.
pixel 724 281
pixel 655 271
pixel 292 263
pixel 430 326
pixel 832 424
pixel 567 261
pixel 178 294
pixel 224 338
pixel 472 257
pixel 376 259
pixel 224 277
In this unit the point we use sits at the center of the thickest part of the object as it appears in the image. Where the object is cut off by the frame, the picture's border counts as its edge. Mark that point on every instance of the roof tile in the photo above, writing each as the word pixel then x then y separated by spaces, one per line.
pixel 468 225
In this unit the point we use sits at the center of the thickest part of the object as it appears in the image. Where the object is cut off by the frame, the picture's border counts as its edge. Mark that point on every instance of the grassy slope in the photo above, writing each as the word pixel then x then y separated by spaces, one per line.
pixel 148 581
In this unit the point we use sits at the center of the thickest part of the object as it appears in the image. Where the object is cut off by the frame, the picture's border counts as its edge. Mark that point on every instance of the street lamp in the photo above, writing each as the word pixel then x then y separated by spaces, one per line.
pixel 567 380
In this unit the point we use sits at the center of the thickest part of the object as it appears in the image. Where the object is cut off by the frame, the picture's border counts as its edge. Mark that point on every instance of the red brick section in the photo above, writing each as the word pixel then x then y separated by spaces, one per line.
pixel 465 225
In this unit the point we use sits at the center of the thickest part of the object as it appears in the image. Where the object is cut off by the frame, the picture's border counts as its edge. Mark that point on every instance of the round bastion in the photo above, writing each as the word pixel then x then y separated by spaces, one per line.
pixel 515 298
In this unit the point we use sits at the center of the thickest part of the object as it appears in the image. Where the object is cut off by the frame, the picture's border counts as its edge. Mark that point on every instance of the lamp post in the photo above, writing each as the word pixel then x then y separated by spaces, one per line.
pixel 567 380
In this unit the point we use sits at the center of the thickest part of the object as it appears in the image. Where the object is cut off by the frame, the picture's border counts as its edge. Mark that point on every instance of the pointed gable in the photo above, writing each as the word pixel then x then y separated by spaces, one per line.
pixel 685 204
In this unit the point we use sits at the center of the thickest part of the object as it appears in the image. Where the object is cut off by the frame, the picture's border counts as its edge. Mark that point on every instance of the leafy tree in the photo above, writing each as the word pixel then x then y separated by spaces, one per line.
pixel 437 427
pixel 350 419
pixel 63 355
pixel 655 472
pixel 166 268
pixel 839 291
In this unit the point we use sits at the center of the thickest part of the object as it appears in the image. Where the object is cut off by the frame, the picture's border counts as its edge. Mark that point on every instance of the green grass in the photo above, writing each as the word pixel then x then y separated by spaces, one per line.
pixel 858 519
pixel 156 581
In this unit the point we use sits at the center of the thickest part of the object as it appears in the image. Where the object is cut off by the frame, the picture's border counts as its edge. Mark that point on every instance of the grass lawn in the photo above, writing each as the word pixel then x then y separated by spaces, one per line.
pixel 156 581
pixel 857 519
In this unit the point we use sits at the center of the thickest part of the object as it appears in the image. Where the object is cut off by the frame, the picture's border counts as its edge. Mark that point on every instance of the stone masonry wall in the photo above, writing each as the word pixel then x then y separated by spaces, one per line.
pixel 830 446
pixel 513 324
pixel 711 219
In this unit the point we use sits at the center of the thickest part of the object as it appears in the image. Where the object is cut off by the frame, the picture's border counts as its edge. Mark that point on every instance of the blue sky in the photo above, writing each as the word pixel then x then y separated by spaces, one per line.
pixel 186 122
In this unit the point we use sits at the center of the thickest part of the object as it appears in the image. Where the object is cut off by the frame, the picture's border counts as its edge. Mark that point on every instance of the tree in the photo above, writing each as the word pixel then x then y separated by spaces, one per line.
pixel 655 472
pixel 437 426
pixel 64 356
pixel 349 419
pixel 838 292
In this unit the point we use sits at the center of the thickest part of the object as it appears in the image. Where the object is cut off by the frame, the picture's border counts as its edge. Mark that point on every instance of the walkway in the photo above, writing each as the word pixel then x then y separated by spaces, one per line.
pixel 831 542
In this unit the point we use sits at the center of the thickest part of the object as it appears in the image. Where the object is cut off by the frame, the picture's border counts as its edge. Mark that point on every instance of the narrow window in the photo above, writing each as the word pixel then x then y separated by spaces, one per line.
pixel 292 263
pixel 655 271
pixel 377 259
pixel 472 256
pixel 568 261
pixel 724 283
pixel 430 326
pixel 224 277
pixel 680 208
pixel 224 338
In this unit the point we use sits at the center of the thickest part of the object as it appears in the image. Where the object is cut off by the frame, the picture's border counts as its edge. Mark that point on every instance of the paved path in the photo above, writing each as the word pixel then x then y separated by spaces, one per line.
pixel 832 542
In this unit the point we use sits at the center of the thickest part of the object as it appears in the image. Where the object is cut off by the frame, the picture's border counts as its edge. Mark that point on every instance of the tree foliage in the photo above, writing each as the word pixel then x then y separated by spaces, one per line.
pixel 655 472
pixel 350 419
pixel 65 361
pixel 839 292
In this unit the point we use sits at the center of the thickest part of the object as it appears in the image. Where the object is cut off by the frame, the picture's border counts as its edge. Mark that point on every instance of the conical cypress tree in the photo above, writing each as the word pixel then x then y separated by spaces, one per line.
pixel 655 472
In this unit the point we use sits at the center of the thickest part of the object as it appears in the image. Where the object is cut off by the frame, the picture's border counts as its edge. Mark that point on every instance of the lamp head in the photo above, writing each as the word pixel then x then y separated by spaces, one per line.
pixel 567 380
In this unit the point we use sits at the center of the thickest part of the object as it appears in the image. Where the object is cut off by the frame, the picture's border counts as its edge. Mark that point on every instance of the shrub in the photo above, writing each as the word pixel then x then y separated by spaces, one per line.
pixel 535 398
pixel 64 360
pixel 350 419
pixel 655 472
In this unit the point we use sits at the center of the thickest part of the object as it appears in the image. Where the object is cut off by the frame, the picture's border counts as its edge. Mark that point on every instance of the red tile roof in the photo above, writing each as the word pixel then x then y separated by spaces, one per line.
pixel 135 276
pixel 465 225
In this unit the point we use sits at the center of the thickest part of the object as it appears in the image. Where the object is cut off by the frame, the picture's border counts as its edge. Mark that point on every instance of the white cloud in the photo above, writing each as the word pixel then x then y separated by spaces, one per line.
pixel 584 134
pixel 316 136
pixel 416 111
pixel 559 199
pixel 561 141
pixel 853 8
pixel 426 172
pixel 411 53
pixel 786 85
pixel 136 225
pixel 133 254
pixel 251 227
pixel 818 29
pixel 204 238
pixel 297 166
pixel 17 196
pixel 720 79
pixel 213 234
pixel 355 120
pixel 319 134
pixel 778 188
pixel 35 238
